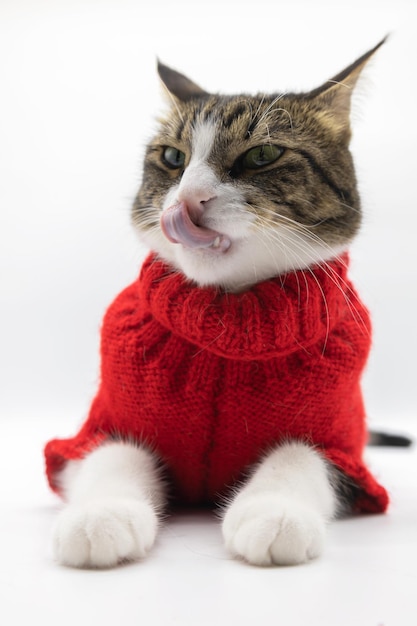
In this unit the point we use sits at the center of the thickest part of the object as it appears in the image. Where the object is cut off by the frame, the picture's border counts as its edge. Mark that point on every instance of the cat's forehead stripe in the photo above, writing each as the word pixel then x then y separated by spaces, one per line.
pixel 203 137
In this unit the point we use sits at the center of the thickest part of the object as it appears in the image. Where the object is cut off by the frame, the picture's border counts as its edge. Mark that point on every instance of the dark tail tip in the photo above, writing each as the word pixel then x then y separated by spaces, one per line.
pixel 379 438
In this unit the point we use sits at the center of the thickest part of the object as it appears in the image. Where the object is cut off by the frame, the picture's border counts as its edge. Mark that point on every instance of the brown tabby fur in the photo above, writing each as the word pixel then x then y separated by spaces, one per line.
pixel 312 183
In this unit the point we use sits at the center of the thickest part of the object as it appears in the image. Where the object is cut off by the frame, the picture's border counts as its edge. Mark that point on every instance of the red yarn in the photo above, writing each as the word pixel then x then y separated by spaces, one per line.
pixel 213 380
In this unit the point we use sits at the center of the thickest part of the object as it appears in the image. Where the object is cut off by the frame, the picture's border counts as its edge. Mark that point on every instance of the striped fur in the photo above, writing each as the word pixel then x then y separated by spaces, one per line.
pixel 289 214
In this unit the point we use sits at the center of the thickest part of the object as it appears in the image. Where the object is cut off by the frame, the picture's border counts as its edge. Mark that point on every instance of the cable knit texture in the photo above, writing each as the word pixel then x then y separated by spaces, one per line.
pixel 211 380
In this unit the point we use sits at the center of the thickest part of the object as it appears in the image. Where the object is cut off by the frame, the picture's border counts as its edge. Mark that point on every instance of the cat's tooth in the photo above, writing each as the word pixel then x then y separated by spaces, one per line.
pixel 216 242
pixel 225 243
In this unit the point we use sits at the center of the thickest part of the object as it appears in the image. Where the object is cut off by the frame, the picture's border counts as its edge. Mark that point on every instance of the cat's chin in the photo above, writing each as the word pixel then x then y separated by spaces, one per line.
pixel 209 267
pixel 245 262
pixel 232 270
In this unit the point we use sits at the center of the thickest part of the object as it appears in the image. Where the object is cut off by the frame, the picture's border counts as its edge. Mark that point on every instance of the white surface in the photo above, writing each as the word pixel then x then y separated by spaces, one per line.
pixel 78 96
pixel 366 577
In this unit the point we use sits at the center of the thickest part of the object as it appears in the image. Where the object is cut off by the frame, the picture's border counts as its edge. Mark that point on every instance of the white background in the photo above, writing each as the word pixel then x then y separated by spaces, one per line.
pixel 79 95
pixel 78 99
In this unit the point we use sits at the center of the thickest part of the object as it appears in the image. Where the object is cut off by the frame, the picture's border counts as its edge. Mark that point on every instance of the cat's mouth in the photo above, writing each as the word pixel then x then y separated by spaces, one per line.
pixel 178 226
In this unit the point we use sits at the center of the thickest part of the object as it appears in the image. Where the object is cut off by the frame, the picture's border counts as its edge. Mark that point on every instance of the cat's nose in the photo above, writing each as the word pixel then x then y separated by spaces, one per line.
pixel 196 189
pixel 196 200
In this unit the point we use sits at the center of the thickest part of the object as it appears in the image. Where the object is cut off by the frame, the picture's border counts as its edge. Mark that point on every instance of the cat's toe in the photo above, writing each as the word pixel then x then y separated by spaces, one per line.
pixel 268 530
pixel 103 534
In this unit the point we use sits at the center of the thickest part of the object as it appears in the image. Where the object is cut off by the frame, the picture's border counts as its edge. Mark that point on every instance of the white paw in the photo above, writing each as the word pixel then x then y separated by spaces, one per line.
pixel 104 533
pixel 267 529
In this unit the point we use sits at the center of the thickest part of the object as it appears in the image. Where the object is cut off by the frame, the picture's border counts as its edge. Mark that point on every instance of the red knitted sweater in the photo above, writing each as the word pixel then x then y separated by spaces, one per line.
pixel 213 380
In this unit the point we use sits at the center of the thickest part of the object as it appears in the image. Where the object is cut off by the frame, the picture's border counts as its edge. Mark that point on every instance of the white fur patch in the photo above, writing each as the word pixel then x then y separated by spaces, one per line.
pixel 114 496
pixel 203 139
pixel 279 516
pixel 198 183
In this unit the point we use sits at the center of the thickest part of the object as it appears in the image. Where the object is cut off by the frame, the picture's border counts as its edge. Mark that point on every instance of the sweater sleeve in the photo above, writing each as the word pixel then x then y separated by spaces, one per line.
pixel 274 318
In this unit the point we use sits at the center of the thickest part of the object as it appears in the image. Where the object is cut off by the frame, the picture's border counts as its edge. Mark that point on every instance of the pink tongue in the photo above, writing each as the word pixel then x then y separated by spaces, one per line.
pixel 178 227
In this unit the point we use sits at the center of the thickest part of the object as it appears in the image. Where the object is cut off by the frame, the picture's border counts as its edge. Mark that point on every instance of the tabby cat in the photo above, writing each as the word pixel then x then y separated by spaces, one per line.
pixel 231 368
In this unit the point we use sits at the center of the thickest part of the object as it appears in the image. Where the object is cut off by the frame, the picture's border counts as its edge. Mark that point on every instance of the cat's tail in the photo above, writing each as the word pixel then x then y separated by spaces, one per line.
pixel 380 438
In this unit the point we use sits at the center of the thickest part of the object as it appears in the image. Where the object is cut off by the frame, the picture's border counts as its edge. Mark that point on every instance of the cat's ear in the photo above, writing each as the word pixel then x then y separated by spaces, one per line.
pixel 335 95
pixel 179 85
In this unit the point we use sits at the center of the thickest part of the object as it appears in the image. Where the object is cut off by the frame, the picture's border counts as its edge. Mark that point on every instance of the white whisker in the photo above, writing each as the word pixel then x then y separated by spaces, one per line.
pixel 270 110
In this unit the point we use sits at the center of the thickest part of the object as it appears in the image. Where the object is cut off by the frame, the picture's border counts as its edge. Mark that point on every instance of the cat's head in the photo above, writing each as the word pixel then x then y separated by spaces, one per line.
pixel 237 189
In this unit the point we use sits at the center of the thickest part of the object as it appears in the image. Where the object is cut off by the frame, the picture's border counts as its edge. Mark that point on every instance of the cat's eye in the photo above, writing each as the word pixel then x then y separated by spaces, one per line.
pixel 260 156
pixel 173 157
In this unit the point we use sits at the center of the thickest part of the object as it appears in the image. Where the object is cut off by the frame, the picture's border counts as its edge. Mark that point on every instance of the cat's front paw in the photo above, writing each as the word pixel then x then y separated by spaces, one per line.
pixel 104 533
pixel 267 529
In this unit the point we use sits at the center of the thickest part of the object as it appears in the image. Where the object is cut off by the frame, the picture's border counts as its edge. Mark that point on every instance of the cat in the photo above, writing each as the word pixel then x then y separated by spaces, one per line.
pixel 231 368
